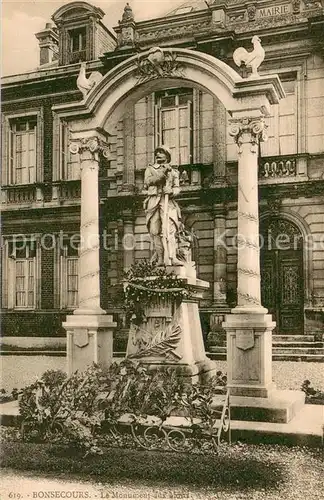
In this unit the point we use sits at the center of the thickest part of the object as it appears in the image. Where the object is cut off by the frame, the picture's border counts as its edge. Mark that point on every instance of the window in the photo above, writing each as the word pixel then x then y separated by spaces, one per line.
pixel 282 123
pixel 22 151
pixel 78 45
pixel 69 163
pixel 174 123
pixel 69 275
pixel 20 271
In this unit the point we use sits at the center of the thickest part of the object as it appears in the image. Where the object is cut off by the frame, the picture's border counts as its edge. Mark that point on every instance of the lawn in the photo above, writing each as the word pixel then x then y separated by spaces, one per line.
pixel 237 472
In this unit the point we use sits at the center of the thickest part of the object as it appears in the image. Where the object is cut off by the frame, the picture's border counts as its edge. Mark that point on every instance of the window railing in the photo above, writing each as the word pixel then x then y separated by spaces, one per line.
pixel 278 167
pixel 70 190
pixel 20 194
pixel 282 167
pixel 77 56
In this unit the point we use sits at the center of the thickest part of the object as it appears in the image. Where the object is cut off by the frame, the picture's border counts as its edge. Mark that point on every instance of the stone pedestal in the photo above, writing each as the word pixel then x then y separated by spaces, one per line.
pixel 249 354
pixel 171 334
pixel 89 340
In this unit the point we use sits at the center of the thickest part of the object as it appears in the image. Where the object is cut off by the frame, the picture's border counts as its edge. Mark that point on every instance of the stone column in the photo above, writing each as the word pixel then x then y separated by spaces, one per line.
pixel 249 327
pixel 89 329
pixel 89 271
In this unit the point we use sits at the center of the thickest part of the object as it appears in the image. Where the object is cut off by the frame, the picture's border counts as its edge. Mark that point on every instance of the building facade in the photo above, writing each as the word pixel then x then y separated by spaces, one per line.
pixel 41 177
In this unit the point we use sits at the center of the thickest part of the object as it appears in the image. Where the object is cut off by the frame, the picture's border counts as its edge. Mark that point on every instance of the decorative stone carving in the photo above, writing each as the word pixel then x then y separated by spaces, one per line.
pixel 85 84
pixel 156 64
pixel 251 12
pixel 278 168
pixel 161 340
pixel 176 31
pixel 91 144
pixel 274 205
pixel 313 4
pixel 126 32
pixel 127 14
pixel 245 339
pixel 236 17
pixel 296 6
pixel 248 130
pixel 251 59
pixel 184 178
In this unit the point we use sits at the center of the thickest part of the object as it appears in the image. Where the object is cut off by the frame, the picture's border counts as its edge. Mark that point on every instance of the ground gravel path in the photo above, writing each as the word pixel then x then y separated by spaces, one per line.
pixel 23 370
pixel 291 374
pixel 296 474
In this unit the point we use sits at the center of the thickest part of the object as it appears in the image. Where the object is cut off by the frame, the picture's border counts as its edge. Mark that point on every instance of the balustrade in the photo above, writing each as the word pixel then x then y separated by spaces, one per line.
pixel 282 167
pixel 21 195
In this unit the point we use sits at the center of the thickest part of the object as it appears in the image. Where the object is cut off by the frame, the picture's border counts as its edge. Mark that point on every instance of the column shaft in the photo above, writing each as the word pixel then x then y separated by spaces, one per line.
pixel 89 285
pixel 247 133
pixel 248 258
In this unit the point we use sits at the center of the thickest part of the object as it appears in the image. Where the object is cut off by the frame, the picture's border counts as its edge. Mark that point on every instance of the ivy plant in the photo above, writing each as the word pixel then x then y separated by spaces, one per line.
pixel 145 284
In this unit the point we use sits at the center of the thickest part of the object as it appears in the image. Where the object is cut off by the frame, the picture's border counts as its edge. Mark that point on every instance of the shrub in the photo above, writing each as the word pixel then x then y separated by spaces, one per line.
pixel 313 396
pixel 79 410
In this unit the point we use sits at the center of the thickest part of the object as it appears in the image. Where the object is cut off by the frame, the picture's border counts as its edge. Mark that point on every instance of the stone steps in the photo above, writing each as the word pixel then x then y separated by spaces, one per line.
pixel 284 348
pixel 297 350
pixel 301 345
pixel 296 338
pixel 315 358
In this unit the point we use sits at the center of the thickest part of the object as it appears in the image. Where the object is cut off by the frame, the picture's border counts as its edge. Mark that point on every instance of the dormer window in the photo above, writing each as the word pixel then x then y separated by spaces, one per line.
pixel 82 35
pixel 78 45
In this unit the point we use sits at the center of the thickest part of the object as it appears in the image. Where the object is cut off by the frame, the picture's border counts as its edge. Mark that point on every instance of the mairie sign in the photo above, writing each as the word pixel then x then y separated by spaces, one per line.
pixel 277 10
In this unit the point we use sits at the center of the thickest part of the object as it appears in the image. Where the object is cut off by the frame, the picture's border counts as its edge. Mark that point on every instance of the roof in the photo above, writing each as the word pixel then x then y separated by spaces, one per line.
pixel 187 7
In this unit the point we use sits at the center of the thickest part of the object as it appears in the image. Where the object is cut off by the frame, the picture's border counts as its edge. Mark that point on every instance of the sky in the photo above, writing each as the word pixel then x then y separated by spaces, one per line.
pixel 21 20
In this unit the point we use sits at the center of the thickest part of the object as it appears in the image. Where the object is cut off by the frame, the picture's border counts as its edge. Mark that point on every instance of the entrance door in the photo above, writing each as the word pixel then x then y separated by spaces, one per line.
pixel 282 284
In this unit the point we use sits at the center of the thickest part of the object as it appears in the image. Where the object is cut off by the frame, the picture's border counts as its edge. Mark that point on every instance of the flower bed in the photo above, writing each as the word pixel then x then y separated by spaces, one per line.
pixel 123 405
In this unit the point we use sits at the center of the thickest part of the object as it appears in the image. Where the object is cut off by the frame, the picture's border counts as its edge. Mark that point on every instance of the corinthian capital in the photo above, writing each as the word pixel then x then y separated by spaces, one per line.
pixel 248 131
pixel 91 145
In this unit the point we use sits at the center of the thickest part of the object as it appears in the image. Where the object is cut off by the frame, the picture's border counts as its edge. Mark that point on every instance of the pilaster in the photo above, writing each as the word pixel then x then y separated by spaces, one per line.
pixel 128 239
pixel 129 151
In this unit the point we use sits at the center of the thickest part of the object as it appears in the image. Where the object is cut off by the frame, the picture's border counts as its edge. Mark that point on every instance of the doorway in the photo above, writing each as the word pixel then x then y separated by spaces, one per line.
pixel 282 275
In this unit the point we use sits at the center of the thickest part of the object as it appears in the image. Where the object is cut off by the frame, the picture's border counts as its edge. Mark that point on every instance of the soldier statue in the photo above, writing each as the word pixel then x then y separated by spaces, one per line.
pixel 163 216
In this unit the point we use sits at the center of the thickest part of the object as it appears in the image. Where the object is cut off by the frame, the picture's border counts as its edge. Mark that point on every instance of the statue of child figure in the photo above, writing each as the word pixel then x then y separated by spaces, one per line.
pixel 163 216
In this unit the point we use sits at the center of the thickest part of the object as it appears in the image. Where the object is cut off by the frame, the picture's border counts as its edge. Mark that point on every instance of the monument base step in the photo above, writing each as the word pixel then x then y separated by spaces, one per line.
pixel 198 372
pixel 305 429
pixel 279 407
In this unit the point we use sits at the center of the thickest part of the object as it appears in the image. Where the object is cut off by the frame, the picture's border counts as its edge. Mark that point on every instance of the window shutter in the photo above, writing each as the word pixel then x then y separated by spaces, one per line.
pixel 56 148
pixel 39 145
pixel 157 126
pixel 31 283
pixel 64 159
pixel 11 281
pixel 38 274
pixel 10 151
pixel 196 127
pixel 63 280
pixel 5 271
pixel 190 133
pixel 6 151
